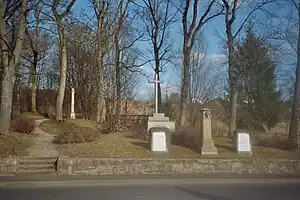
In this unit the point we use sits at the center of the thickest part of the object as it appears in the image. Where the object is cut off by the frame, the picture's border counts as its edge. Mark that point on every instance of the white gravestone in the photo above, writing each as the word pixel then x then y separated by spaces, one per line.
pixel 159 143
pixel 243 142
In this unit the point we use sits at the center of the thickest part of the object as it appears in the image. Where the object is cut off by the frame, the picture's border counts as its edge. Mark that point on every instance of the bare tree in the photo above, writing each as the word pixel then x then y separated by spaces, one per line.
pixel 35 47
pixel 122 12
pixel 232 73
pixel 100 9
pixel 59 16
pixel 206 78
pixel 10 56
pixel 294 127
pixel 158 16
pixel 231 8
pixel 82 72
pixel 190 31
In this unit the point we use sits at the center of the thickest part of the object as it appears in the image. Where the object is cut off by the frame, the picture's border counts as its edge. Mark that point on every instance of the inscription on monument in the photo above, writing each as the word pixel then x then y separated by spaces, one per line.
pixel 159 142
pixel 243 142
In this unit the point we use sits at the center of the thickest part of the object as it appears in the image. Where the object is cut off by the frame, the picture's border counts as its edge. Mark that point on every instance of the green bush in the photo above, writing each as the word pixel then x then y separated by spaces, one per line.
pixel 23 125
pixel 80 135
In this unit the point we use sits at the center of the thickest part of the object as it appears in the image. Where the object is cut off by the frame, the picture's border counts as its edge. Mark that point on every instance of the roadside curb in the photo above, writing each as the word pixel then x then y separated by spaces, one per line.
pixel 130 182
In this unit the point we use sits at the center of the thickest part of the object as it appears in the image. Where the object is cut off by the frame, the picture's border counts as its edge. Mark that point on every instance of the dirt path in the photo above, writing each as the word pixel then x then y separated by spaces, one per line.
pixel 43 146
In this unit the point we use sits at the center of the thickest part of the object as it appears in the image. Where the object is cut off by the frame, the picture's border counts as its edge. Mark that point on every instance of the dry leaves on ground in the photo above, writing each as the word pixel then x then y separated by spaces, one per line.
pixel 15 144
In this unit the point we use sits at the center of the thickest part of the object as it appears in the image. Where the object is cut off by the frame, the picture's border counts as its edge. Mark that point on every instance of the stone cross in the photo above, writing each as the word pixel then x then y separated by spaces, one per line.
pixel 156 81
pixel 72 104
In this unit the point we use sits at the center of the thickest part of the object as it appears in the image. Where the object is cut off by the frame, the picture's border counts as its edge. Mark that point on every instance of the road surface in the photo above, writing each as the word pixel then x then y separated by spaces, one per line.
pixel 161 191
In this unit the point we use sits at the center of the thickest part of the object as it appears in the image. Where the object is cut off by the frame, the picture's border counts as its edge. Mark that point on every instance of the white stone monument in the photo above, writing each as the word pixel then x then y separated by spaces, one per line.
pixel 243 142
pixel 158 120
pixel 158 142
pixel 208 146
pixel 72 104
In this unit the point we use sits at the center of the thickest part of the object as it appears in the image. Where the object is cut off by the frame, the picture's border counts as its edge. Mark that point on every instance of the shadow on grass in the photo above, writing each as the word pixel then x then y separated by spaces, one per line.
pixel 224 146
pixel 187 138
pixel 273 142
pixel 224 143
pixel 145 145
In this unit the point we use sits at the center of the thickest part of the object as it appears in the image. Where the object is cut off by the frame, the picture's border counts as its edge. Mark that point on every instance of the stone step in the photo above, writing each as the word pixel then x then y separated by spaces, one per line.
pixel 37 165
pixel 40 171
pixel 38 158
pixel 36 162
pixel 36 169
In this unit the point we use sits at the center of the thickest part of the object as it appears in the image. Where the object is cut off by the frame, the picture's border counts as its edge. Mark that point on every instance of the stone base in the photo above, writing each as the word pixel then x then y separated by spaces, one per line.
pixel 159 120
pixel 209 148
pixel 72 116
pixel 158 117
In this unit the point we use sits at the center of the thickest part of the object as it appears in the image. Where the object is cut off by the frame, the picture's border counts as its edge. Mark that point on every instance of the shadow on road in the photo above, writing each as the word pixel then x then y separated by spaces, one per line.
pixel 201 195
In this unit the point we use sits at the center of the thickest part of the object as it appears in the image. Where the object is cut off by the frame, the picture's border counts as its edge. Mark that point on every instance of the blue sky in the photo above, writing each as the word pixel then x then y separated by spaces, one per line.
pixel 212 33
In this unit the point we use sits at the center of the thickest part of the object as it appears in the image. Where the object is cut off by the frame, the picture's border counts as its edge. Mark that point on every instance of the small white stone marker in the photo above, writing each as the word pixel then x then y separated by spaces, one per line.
pixel 159 143
pixel 72 104
pixel 243 142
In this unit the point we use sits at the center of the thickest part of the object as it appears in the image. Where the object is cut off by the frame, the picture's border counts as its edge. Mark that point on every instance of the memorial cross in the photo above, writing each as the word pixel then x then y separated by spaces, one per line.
pixel 156 81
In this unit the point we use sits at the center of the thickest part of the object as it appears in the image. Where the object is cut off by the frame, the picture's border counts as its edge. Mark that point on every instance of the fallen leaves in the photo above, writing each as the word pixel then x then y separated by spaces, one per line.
pixel 15 144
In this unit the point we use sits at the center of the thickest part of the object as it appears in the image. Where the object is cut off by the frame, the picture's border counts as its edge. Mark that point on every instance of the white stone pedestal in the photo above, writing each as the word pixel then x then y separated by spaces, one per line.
pixel 72 116
pixel 208 146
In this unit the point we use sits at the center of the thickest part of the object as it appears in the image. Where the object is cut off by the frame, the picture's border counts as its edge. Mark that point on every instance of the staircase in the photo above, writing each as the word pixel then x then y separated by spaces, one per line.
pixel 37 165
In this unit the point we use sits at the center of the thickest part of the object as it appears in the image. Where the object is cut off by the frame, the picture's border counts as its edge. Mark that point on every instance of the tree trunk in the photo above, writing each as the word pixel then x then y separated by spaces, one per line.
pixel 100 102
pixel 184 113
pixel 33 82
pixel 233 106
pixel 1 77
pixel 63 75
pixel 118 81
pixel 6 98
pixel 9 66
pixel 294 127
pixel 100 114
pixel 232 79
pixel 16 105
pixel 233 89
pixel 99 106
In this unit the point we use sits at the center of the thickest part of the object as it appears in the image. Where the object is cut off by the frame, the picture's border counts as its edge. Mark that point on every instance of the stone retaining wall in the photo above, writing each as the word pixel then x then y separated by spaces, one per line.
pixel 8 165
pixel 135 166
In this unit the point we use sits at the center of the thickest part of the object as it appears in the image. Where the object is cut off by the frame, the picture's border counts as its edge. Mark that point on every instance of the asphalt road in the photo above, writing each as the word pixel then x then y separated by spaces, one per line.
pixel 175 191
